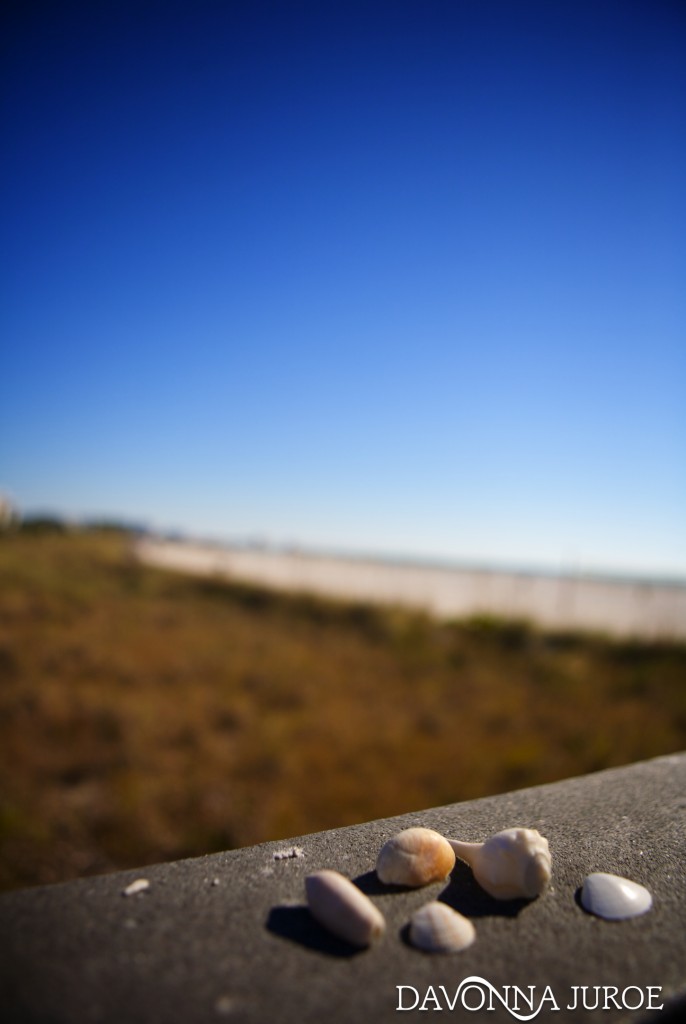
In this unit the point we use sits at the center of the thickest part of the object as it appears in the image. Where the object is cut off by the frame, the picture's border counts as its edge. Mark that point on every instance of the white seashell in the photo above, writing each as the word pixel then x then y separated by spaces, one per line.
pixel 511 864
pixel 140 885
pixel 343 909
pixel 614 898
pixel 415 856
pixel 437 928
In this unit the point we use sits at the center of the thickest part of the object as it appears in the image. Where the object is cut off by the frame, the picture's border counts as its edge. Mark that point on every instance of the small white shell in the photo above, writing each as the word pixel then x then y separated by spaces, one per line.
pixel 613 897
pixel 140 885
pixel 415 856
pixel 512 864
pixel 343 909
pixel 437 928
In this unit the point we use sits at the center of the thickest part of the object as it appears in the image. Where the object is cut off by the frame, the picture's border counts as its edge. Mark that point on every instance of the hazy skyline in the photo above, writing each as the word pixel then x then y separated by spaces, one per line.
pixel 403 278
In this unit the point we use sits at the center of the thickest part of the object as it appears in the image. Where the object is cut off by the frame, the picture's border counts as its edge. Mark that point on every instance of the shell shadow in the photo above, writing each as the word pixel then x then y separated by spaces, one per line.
pixel 297 925
pixel 370 885
pixel 673 1012
pixel 467 897
pixel 577 899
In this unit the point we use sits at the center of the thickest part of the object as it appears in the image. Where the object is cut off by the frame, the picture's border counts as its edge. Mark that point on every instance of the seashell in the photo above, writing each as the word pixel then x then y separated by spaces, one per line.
pixel 613 897
pixel 343 909
pixel 415 856
pixel 140 885
pixel 511 864
pixel 437 928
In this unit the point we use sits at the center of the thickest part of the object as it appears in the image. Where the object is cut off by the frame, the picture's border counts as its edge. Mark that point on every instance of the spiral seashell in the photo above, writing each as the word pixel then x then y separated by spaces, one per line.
pixel 512 864
pixel 343 909
pixel 437 928
pixel 415 856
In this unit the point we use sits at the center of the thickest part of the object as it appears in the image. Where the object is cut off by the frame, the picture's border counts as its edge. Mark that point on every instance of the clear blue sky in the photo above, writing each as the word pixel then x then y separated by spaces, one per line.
pixel 403 278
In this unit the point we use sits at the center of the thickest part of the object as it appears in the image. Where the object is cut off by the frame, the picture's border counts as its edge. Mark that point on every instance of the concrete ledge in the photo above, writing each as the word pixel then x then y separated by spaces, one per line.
pixel 228 937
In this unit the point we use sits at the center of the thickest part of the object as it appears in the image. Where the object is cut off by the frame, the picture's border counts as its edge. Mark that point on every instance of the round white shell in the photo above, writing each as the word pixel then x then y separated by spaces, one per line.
pixel 613 897
pixel 437 928
pixel 343 909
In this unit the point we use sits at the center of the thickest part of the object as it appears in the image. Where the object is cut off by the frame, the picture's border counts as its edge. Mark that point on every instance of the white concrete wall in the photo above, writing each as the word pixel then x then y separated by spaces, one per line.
pixel 627 608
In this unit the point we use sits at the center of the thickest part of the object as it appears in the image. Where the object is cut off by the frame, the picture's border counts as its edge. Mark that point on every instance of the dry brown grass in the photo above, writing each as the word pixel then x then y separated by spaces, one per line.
pixel 146 715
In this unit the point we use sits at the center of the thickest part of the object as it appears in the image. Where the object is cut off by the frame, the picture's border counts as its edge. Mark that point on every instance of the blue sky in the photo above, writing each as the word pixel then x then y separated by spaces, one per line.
pixel 403 278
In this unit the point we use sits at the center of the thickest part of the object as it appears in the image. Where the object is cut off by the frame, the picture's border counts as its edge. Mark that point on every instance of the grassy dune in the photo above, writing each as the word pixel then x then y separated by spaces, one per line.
pixel 146 715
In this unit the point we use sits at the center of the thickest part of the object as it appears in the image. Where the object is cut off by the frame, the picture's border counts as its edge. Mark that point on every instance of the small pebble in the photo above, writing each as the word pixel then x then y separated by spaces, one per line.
pixel 140 885
pixel 343 909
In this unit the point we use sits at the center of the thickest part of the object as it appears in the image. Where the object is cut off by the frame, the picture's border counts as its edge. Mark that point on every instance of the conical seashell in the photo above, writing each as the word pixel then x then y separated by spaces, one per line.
pixel 415 856
pixel 512 864
pixel 613 897
pixel 437 928
pixel 343 909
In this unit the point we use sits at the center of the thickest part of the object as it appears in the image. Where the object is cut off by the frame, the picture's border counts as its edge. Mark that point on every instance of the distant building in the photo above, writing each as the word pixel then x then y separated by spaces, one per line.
pixel 9 513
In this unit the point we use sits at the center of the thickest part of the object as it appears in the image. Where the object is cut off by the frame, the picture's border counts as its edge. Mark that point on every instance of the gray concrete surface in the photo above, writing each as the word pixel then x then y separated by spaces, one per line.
pixel 228 937
pixel 624 607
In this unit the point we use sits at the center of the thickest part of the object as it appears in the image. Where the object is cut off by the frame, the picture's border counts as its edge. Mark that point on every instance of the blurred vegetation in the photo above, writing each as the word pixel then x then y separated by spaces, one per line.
pixel 147 715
